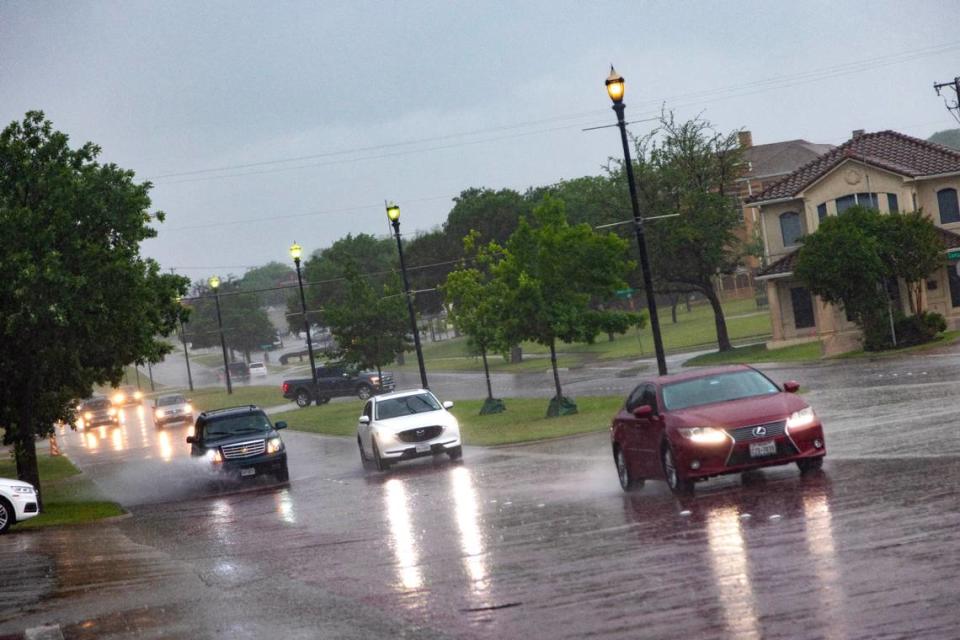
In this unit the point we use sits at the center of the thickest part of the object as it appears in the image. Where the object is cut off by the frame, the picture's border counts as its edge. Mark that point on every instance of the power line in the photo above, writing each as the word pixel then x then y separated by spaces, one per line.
pixel 954 108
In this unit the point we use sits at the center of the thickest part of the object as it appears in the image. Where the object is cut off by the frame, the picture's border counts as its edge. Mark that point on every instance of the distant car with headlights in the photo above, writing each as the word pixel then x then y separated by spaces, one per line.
pixel 240 442
pixel 336 380
pixel 18 502
pixel 171 408
pixel 126 395
pixel 96 411
pixel 694 425
pixel 405 425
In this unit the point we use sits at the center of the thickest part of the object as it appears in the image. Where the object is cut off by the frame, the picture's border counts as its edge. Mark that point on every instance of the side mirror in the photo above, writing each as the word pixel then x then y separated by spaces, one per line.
pixel 280 425
pixel 448 404
pixel 364 420
pixel 643 411
pixel 191 440
pixel 791 386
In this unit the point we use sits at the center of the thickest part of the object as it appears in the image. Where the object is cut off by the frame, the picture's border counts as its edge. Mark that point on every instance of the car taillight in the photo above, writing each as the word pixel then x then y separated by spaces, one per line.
pixel 286 387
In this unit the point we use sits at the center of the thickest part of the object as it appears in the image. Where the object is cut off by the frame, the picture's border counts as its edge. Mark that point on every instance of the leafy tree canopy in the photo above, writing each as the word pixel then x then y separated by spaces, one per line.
pixel 246 326
pixel 77 300
pixel 947 137
pixel 268 276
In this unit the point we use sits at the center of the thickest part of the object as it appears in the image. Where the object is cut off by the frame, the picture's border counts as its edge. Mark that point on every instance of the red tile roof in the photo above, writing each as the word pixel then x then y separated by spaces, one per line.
pixel 889 150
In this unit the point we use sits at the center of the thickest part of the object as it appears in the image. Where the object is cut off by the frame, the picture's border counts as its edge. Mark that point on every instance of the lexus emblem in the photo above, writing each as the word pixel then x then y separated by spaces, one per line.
pixel 759 431
pixel 420 432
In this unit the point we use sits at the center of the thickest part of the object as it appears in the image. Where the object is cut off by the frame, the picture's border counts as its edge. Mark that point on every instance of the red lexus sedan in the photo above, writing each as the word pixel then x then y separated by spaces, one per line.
pixel 699 424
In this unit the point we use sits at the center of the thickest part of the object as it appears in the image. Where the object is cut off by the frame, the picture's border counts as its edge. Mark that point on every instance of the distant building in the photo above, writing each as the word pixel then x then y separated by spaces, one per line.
pixel 886 170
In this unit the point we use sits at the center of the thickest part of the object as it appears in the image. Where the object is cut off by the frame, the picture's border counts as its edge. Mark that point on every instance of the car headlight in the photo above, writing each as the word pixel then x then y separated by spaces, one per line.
pixel 375 380
pixel 214 456
pixel 274 445
pixel 188 408
pixel 138 395
pixel 158 413
pixel 118 398
pixel 704 435
pixel 24 490
pixel 111 411
pixel 87 415
pixel 803 418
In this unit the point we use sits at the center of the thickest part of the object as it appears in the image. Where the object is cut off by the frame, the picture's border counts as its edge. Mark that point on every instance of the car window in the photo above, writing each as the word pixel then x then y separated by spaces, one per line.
pixel 650 397
pixel 368 409
pixel 168 400
pixel 634 399
pixel 251 423
pixel 720 387
pixel 256 365
pixel 406 405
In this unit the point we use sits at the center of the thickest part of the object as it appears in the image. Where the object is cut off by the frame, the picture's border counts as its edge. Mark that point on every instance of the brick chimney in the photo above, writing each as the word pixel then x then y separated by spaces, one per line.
pixel 858 132
pixel 746 139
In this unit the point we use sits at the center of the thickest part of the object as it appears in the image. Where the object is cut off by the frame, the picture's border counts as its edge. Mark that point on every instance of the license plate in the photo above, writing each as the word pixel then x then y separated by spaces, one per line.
pixel 761 449
pixel 244 473
pixel 423 448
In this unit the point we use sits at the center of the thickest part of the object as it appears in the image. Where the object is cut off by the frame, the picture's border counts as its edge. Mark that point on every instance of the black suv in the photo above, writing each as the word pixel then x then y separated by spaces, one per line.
pixel 240 441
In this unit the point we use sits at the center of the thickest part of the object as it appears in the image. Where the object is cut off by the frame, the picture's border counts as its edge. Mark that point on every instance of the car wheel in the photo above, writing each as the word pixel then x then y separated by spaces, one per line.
pixel 6 515
pixel 807 465
pixel 675 480
pixel 382 465
pixel 303 398
pixel 627 481
pixel 284 474
pixel 455 453
pixel 364 392
pixel 323 400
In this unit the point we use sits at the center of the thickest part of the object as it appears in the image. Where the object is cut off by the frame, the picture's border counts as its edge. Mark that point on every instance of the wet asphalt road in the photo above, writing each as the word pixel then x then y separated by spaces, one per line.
pixel 531 541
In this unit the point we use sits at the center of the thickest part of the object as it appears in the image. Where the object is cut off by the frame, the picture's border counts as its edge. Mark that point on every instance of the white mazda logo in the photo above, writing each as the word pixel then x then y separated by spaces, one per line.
pixel 759 431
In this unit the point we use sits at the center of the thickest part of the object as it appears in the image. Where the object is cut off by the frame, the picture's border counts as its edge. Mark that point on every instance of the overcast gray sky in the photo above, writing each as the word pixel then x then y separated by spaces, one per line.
pixel 415 101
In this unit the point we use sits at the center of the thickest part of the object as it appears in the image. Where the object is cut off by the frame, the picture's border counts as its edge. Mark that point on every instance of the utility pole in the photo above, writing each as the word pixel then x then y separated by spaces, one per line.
pixel 954 108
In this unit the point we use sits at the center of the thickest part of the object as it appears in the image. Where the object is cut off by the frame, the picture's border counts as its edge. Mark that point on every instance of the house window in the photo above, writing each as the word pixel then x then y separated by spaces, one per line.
pixel 790 228
pixel 954 284
pixel 802 308
pixel 845 203
pixel 867 200
pixel 949 209
pixel 821 211
pixel 893 206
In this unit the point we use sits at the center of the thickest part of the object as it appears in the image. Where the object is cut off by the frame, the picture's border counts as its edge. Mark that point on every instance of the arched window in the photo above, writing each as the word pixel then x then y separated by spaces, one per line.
pixel 790 228
pixel 949 208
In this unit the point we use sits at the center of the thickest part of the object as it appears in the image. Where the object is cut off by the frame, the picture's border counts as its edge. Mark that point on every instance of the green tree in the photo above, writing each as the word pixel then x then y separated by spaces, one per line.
pixel 371 326
pixel 852 259
pixel 552 277
pixel 947 137
pixel 474 300
pixel 269 276
pixel 246 326
pixel 688 169
pixel 77 300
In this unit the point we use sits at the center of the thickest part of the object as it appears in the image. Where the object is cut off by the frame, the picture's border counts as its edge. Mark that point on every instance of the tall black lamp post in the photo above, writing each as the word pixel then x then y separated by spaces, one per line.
pixel 615 87
pixel 186 352
pixel 393 213
pixel 215 285
pixel 295 252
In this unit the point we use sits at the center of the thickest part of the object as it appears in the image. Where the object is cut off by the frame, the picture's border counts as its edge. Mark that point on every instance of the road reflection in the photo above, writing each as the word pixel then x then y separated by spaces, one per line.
pixel 731 570
pixel 471 538
pixel 820 543
pixel 285 506
pixel 403 542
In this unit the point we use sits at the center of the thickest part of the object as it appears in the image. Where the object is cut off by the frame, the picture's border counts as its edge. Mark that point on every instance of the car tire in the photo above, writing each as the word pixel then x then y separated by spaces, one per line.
pixel 323 400
pixel 675 480
pixel 808 465
pixel 364 392
pixel 381 464
pixel 284 474
pixel 627 480
pixel 456 452
pixel 303 398
pixel 7 515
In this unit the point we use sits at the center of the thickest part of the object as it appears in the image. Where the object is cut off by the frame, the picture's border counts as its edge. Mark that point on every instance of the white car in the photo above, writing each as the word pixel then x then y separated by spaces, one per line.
pixel 172 408
pixel 258 370
pixel 18 502
pixel 404 425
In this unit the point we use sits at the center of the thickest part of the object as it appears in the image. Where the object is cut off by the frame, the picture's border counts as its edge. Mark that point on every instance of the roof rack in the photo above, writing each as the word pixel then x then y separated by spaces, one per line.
pixel 225 409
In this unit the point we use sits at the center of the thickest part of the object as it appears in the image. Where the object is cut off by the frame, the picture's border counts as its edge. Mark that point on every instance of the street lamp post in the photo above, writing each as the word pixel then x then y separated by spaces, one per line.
pixel 393 213
pixel 295 252
pixel 215 285
pixel 186 352
pixel 615 89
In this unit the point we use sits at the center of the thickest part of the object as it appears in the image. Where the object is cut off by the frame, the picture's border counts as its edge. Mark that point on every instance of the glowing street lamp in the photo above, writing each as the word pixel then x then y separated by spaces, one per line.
pixel 295 252
pixel 615 89
pixel 214 283
pixel 393 213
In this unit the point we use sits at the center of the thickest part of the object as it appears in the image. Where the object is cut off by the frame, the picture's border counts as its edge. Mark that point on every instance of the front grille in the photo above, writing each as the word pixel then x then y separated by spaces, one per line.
pixel 244 449
pixel 30 507
pixel 746 434
pixel 386 382
pixel 741 455
pixel 421 434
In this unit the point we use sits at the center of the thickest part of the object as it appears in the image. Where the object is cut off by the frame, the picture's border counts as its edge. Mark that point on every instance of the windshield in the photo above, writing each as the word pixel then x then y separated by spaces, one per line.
pixel 168 400
pixel 96 403
pixel 406 405
pixel 721 387
pixel 237 425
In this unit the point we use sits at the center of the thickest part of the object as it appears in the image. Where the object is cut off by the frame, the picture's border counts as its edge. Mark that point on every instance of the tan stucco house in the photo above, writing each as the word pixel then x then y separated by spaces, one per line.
pixel 886 170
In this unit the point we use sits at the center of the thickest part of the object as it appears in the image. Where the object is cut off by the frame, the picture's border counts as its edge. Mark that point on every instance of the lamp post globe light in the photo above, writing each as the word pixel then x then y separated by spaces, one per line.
pixel 615 89
pixel 214 283
pixel 393 213
pixel 183 339
pixel 295 252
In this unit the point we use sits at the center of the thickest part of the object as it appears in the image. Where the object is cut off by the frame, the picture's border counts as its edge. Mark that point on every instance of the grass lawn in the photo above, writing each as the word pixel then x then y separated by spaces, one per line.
pixel 68 496
pixel 805 352
pixel 216 397
pixel 523 421
pixel 692 329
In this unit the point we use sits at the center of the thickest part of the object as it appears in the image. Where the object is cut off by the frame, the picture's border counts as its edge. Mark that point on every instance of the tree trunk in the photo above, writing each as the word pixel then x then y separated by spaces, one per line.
pixel 723 338
pixel 486 372
pixel 25 448
pixel 674 301
pixel 379 373
pixel 556 374
pixel 516 354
